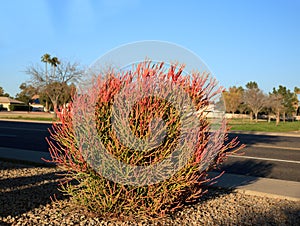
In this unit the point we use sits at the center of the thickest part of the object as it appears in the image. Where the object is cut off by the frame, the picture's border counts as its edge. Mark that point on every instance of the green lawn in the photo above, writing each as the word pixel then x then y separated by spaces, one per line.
pixel 246 125
pixel 28 118
pixel 36 116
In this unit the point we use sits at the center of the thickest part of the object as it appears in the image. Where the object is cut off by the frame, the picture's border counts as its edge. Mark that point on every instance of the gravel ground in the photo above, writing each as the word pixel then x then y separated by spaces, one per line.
pixel 25 193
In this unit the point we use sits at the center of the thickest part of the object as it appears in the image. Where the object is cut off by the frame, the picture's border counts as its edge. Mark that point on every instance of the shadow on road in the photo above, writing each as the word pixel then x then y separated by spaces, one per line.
pixel 252 139
pixel 247 167
pixel 240 173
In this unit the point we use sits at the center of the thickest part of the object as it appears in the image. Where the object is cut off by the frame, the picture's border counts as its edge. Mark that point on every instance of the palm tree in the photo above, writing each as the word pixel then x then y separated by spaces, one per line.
pixel 54 62
pixel 46 59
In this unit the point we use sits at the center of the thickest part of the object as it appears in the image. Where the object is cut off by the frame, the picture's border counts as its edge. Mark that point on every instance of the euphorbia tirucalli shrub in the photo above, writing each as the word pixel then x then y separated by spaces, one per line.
pixel 162 145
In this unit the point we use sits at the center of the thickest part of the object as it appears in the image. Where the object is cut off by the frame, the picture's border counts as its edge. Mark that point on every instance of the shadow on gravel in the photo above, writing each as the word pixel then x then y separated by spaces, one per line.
pixel 279 215
pixel 292 214
pixel 21 164
pixel 9 183
pixel 22 194
pixel 258 211
pixel 250 210
pixel 4 223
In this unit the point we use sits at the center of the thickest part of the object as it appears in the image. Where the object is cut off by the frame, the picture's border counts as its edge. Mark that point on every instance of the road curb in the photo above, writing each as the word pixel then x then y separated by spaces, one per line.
pixel 268 195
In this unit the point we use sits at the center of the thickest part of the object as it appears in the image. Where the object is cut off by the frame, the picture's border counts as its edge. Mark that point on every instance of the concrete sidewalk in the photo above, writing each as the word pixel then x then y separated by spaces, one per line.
pixel 258 186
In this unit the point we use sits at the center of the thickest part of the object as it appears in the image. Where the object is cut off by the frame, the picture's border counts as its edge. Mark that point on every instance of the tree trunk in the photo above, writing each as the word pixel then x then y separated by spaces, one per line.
pixel 256 113
pixel 283 116
pixel 47 106
pixel 55 105
pixel 277 118
pixel 46 71
pixel 269 118
pixel 55 109
pixel 251 116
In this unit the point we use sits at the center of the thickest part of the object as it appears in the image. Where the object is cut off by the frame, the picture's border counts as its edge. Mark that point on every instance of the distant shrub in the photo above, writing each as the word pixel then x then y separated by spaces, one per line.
pixel 107 197
pixel 2 108
pixel 13 107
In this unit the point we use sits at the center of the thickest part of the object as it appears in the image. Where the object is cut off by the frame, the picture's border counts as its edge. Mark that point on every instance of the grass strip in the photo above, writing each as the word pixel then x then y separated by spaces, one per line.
pixel 263 126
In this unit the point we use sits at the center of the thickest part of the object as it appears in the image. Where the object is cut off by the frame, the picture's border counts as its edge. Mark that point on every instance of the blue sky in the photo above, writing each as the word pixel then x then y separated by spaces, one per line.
pixel 240 41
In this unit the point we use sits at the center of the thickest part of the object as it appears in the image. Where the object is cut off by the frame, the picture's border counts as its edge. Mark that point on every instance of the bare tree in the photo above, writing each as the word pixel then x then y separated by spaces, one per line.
pixel 54 84
pixel 255 99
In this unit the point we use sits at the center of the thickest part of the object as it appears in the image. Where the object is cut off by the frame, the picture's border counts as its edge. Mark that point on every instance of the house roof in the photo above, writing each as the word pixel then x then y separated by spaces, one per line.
pixel 6 100
pixel 35 96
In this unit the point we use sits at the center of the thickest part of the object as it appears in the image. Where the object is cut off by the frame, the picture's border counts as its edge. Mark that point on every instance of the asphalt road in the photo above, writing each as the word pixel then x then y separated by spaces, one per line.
pixel 275 157
pixel 24 135
pixel 265 156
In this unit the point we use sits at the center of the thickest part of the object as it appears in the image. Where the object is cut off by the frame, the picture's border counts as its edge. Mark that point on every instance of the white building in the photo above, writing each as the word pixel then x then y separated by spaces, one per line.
pixel 6 102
